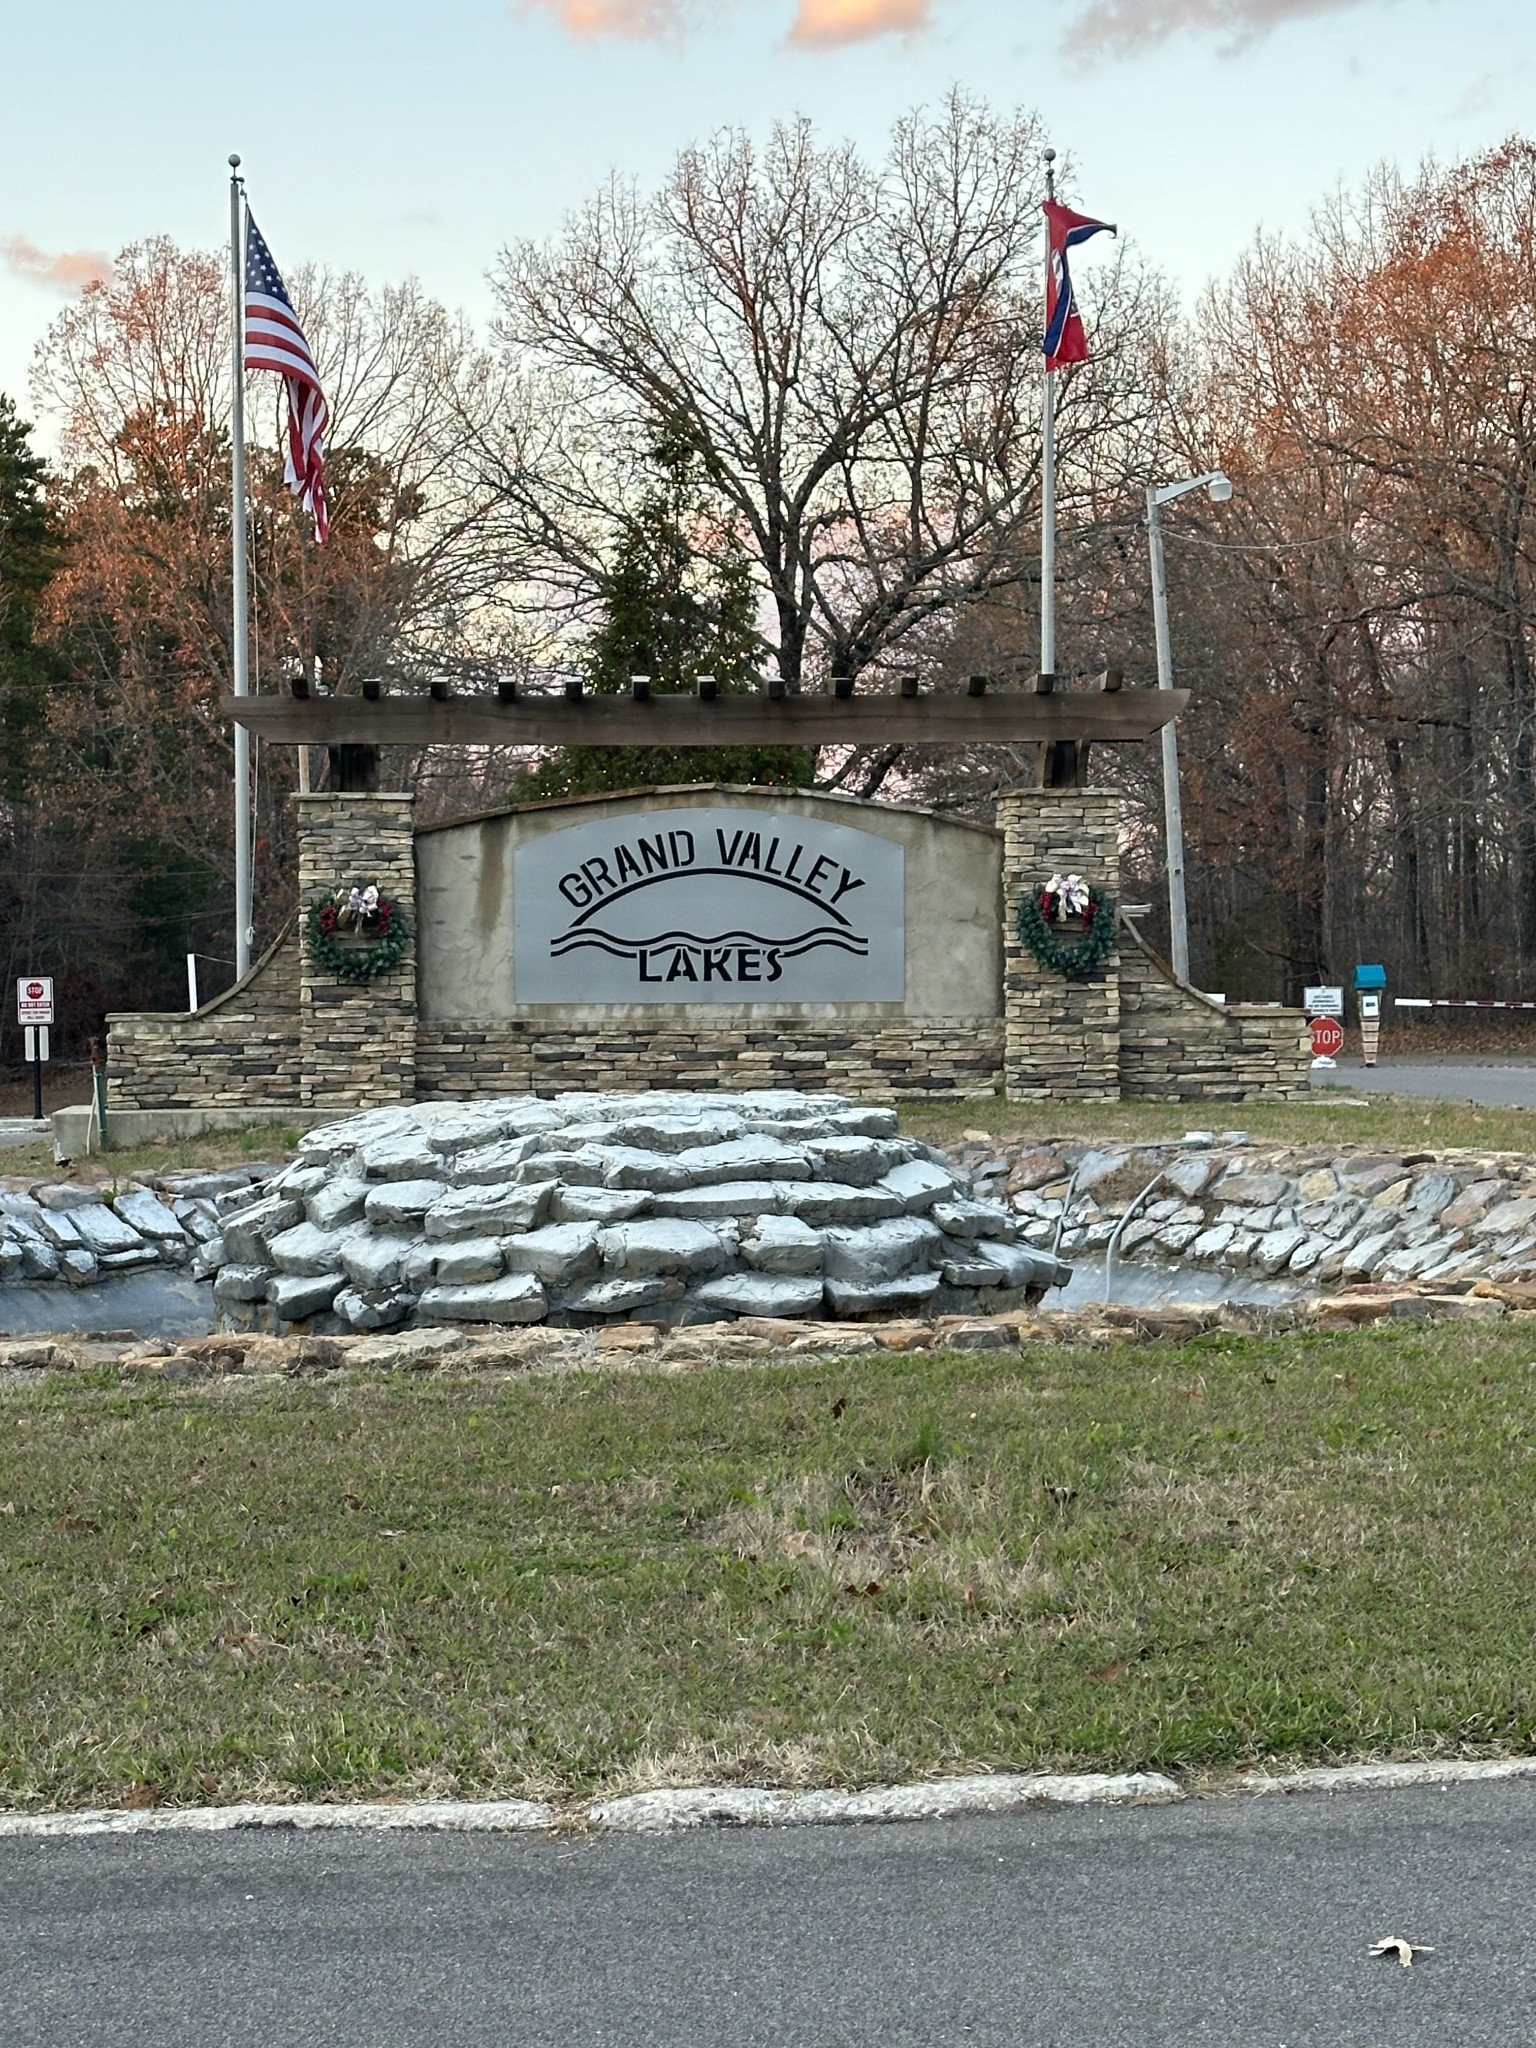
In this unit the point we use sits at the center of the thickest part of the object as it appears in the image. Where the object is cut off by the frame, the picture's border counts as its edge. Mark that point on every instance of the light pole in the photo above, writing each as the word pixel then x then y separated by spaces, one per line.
pixel 1218 487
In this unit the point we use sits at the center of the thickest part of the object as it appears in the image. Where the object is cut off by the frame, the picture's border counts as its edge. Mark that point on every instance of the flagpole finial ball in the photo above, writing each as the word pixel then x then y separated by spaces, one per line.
pixel 1050 156
pixel 234 163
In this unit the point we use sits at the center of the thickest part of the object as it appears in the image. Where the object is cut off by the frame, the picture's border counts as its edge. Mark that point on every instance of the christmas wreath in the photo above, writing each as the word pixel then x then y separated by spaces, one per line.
pixel 1066 902
pixel 334 925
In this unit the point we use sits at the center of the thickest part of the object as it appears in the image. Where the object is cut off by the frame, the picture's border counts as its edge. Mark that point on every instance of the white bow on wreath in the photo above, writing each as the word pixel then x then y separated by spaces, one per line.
pixel 362 903
pixel 1071 893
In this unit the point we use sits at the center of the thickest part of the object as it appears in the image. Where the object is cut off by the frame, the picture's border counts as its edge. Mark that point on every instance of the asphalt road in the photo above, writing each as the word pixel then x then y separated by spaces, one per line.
pixel 1227 1923
pixel 1495 1080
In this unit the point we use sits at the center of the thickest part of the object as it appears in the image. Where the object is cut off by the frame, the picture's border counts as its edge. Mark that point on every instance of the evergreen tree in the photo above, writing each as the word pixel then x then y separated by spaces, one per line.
pixel 30 552
pixel 672 613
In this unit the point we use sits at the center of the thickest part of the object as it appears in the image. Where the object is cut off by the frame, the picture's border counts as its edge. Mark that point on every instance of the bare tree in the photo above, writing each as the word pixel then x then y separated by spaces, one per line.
pixel 851 351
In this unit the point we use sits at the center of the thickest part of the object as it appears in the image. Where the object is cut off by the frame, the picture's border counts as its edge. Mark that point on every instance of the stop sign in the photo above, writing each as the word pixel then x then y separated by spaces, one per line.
pixel 1327 1037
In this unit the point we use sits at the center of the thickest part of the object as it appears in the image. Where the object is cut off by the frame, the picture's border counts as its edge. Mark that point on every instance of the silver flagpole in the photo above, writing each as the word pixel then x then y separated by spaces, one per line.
pixel 240 648
pixel 1048 476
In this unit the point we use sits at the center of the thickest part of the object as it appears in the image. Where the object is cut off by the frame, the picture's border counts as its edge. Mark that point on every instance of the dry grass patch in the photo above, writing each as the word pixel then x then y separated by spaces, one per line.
pixel 1179 1557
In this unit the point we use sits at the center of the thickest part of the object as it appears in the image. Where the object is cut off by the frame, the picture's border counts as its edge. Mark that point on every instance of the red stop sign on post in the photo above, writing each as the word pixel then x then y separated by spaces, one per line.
pixel 1327 1037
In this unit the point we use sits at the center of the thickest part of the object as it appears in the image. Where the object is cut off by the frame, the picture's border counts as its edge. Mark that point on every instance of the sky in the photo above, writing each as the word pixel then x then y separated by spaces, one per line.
pixel 401 139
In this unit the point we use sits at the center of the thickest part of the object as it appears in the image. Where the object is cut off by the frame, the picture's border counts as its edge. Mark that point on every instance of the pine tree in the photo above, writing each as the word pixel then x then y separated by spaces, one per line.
pixel 30 552
pixel 673 613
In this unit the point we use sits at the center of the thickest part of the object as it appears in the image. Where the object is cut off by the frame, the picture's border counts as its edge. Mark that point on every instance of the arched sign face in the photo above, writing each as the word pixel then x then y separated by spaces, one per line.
pixel 710 906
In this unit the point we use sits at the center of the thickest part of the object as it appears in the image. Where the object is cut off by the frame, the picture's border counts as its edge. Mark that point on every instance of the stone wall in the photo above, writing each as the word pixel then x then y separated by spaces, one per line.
pixel 873 1062
pixel 357 1040
pixel 1061 1038
pixel 240 1051
pixel 1177 1045
pixel 292 1036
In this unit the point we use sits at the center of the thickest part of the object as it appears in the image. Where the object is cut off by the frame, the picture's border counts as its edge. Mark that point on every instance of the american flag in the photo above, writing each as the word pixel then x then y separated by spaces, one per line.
pixel 274 340
pixel 1065 341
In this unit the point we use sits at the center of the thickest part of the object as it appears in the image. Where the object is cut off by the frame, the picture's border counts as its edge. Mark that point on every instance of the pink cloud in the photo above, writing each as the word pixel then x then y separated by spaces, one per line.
pixel 70 271
pixel 640 21
pixel 1113 28
pixel 826 24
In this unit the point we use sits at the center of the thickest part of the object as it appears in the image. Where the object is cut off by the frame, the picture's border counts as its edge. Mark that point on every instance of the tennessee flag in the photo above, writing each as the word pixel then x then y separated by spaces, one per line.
pixel 1065 341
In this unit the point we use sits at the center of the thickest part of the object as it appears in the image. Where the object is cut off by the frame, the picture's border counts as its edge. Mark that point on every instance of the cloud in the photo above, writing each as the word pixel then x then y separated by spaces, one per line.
pixel 70 271
pixel 637 21
pixel 1114 28
pixel 826 24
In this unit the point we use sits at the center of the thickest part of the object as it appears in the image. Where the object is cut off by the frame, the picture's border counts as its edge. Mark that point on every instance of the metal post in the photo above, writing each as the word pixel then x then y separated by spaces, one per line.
pixel 1173 814
pixel 37 1072
pixel 191 981
pixel 240 652
pixel 1048 486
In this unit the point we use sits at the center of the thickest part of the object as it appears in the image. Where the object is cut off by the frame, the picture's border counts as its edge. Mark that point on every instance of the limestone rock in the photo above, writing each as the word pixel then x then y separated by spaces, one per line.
pixel 1253 1190
pixel 77 1265
pixel 973 1219
pixel 374 1260
pixel 101 1230
pixel 464 1261
pixel 242 1283
pixel 917 1184
pixel 599 1205
pixel 492 1165
pixel 821 1201
pixel 148 1215
pixel 295 1297
pixel 471 1212
pixel 909 1292
pixel 635 1251
pixel 516 1298
pixel 403 1201
pixel 724 1198
pixel 880 1251
pixel 304 1250
pixel 762 1294
pixel 337 1202
pixel 373 1310
pixel 248 1233
pixel 756 1158
pixel 1190 1175
pixel 622 1297
pixel 66 1195
pixel 559 1254
pixel 783 1245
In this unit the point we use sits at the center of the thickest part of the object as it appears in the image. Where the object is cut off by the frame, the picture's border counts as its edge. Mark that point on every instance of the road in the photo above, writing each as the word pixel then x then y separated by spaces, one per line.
pixel 1214 1922
pixel 1495 1079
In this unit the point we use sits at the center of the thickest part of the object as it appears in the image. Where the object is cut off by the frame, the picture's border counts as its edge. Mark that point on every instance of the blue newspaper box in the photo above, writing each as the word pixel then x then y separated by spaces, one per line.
pixel 1370 977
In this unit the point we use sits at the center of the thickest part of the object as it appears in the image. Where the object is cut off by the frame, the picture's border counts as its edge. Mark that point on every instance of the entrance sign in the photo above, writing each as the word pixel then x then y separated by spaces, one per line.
pixel 1327 1038
pixel 710 906
pixel 34 999
pixel 1323 1002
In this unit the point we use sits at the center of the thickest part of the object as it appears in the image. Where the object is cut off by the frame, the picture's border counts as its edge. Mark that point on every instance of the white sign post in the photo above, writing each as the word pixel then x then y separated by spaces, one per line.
pixel 34 1013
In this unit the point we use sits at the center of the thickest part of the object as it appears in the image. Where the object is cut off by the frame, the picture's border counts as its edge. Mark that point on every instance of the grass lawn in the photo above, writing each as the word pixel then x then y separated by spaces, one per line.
pixel 1397 1123
pixel 885 1566
pixel 274 1141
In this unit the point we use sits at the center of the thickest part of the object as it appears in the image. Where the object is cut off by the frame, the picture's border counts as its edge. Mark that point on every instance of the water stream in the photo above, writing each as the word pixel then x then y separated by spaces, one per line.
pixel 161 1304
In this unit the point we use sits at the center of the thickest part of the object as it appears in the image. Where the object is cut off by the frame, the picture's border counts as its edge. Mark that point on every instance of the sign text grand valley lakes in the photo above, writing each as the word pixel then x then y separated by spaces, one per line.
pixel 754 902
pixel 777 857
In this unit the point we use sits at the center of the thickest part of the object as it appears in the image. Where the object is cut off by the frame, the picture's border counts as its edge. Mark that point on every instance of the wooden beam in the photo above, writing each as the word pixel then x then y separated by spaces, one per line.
pixel 1008 717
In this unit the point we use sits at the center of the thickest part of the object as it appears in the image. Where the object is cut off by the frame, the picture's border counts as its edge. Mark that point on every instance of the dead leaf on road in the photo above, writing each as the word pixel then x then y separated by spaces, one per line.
pixel 1405 1951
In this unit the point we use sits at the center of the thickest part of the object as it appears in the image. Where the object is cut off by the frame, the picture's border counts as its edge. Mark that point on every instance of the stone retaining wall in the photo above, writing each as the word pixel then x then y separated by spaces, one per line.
pixel 874 1062
pixel 240 1051
pixel 292 1037
pixel 1177 1045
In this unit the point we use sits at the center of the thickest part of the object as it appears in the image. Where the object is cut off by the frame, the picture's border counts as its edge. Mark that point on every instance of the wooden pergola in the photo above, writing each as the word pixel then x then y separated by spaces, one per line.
pixel 1062 724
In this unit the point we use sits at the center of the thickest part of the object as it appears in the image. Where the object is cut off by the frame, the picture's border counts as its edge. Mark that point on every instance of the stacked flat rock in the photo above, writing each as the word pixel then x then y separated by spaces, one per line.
pixel 587 1209
pixel 74 1232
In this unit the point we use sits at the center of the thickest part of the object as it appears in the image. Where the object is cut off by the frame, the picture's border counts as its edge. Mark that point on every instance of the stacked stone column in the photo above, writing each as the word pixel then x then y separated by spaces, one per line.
pixel 1061 1038
pixel 357 1040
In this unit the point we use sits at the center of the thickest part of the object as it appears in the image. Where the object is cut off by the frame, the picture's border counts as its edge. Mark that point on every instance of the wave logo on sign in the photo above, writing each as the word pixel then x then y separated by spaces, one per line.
pixel 719 907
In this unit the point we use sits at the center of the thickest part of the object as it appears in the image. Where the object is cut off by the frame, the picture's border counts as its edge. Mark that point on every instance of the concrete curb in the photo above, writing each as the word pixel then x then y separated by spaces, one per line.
pixel 641 1813
pixel 1389 1777
pixel 721 1806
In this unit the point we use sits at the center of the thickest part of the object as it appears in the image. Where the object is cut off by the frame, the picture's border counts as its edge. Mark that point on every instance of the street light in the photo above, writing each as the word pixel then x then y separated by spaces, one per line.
pixel 1218 487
